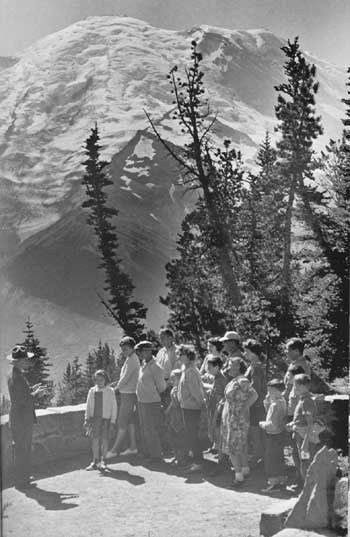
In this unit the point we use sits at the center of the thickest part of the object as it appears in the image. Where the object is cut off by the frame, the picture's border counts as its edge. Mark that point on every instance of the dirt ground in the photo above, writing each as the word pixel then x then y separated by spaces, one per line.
pixel 133 500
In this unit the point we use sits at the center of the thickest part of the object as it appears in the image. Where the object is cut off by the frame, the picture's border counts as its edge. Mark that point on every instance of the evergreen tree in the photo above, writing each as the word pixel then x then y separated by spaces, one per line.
pixel 205 168
pixel 299 127
pixel 89 370
pixel 73 389
pixel 38 372
pixel 120 304
pixel 193 283
pixel 266 158
pixel 104 358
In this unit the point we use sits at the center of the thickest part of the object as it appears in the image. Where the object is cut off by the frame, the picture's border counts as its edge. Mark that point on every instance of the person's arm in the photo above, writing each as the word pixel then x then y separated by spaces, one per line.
pixel 309 423
pixel 114 406
pixel 88 406
pixel 159 378
pixel 127 374
pixel 195 386
pixel 273 417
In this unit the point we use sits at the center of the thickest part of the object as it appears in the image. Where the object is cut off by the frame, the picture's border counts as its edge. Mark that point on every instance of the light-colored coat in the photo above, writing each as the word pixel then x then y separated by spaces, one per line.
pixel 109 404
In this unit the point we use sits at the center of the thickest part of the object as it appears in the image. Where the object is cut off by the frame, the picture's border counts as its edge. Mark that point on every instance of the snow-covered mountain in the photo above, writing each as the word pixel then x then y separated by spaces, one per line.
pixel 109 69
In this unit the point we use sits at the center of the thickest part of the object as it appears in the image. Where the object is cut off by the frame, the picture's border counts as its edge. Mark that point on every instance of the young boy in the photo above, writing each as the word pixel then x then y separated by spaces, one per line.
pixel 303 420
pixel 274 427
pixel 289 391
pixel 175 422
pixel 214 395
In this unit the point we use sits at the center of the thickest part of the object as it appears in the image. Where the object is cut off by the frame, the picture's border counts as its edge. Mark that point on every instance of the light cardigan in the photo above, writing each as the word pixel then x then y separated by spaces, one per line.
pixel 190 389
pixel 109 404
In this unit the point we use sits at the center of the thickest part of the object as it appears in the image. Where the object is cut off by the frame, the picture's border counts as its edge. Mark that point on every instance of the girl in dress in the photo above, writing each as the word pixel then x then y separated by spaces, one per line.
pixel 100 415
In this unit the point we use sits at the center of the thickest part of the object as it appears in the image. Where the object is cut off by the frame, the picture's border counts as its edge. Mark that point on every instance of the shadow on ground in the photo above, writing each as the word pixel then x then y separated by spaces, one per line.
pixel 123 475
pixel 51 501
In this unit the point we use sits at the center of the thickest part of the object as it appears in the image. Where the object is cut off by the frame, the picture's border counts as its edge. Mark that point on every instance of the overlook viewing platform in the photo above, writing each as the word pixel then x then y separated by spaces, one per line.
pixel 130 498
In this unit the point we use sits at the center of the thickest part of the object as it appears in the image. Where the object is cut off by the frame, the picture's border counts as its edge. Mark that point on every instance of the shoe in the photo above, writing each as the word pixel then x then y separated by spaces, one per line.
pixel 211 451
pixel 237 483
pixel 102 466
pixel 194 468
pixel 92 466
pixel 273 487
pixel 128 452
pixel 245 471
pixel 111 455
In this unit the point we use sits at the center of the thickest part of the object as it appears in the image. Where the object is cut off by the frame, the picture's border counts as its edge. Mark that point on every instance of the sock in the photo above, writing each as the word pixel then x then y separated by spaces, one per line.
pixel 239 476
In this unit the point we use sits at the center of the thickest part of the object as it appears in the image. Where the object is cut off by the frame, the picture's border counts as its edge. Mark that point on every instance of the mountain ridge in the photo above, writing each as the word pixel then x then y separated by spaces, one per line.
pixel 109 69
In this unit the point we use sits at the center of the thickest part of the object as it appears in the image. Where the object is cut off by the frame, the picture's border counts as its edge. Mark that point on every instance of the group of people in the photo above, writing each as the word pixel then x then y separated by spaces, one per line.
pixel 171 403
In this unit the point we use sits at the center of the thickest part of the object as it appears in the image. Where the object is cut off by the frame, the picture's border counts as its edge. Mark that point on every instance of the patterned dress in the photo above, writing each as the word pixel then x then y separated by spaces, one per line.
pixel 235 422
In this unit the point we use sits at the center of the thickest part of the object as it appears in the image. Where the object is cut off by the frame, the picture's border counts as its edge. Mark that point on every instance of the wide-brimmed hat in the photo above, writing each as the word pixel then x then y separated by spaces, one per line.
pixel 144 345
pixel 230 336
pixel 19 352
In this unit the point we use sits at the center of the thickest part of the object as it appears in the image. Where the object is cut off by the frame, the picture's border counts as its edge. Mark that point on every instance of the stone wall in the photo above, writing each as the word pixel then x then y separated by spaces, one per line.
pixel 58 434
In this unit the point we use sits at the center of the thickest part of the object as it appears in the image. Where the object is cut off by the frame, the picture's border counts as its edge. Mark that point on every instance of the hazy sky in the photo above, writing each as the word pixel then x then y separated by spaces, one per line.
pixel 323 25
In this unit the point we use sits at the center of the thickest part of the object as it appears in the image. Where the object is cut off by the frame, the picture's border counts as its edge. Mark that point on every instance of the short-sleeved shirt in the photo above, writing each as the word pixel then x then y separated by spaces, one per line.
pixel 305 407
pixel 168 361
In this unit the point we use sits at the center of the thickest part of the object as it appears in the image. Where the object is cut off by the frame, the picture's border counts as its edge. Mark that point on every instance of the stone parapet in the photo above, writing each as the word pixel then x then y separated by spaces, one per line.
pixel 58 434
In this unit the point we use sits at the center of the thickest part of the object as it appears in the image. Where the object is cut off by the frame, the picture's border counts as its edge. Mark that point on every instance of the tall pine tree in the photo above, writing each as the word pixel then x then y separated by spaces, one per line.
pixel 38 372
pixel 299 126
pixel 203 166
pixel 120 304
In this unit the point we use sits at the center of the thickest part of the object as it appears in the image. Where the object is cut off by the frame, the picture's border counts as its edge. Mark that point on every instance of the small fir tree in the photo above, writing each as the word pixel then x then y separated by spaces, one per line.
pixel 73 389
pixel 38 372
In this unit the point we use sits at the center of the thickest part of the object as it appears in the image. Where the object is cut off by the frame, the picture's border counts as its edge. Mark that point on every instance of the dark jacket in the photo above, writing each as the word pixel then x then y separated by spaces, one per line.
pixel 22 412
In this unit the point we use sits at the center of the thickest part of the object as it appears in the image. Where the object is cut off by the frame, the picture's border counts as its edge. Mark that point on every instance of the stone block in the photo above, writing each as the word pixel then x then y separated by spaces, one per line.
pixel 314 506
pixel 340 504
pixel 272 520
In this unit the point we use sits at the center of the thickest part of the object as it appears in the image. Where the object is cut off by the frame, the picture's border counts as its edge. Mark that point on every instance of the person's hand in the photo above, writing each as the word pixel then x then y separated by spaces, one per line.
pixel 40 391
pixel 262 424
pixel 289 426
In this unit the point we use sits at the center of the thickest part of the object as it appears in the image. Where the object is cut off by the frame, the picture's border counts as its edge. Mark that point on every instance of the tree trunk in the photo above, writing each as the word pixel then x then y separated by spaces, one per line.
pixel 287 242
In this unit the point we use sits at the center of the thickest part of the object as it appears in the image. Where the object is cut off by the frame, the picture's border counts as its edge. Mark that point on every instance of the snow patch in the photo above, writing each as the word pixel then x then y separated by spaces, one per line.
pixel 137 195
pixel 126 180
pixel 172 192
pixel 144 148
pixel 150 185
pixel 154 217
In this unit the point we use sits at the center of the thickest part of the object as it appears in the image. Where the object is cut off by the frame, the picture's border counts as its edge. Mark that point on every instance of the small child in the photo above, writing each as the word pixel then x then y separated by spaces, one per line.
pixel 215 393
pixel 174 417
pixel 100 414
pixel 303 421
pixel 274 427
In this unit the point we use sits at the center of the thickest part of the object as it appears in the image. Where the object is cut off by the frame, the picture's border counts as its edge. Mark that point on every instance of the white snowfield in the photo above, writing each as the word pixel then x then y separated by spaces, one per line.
pixel 109 69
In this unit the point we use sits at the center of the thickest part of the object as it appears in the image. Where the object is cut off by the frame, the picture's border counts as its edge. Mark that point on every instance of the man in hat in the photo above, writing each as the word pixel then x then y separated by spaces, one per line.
pixel 232 349
pixel 127 388
pixel 149 388
pixel 22 413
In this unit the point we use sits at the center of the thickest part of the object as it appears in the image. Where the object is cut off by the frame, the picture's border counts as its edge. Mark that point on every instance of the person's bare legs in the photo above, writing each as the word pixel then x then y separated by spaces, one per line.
pixel 96 450
pixel 119 440
pixel 132 436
